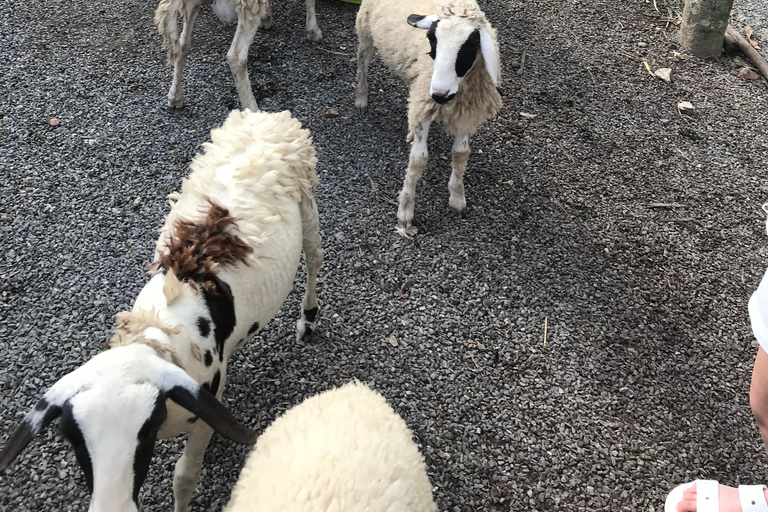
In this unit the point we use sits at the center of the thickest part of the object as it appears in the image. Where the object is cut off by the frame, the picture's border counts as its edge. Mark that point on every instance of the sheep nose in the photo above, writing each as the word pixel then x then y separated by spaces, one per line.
pixel 442 99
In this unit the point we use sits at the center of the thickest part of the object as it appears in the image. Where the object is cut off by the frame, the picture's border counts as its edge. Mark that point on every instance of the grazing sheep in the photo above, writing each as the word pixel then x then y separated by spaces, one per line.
pixel 344 449
pixel 453 76
pixel 249 15
pixel 224 263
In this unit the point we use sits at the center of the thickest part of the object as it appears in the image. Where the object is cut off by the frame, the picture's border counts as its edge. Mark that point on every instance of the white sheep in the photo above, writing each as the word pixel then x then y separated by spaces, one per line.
pixel 344 449
pixel 225 262
pixel 460 89
pixel 249 15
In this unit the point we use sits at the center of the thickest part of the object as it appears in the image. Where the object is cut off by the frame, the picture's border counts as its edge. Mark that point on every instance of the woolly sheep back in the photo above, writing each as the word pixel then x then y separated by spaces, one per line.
pixel 342 450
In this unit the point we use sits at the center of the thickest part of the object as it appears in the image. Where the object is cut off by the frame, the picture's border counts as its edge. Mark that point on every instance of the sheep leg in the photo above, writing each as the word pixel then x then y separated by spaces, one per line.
pixel 457 202
pixel 176 94
pixel 313 31
pixel 237 57
pixel 416 164
pixel 266 21
pixel 313 257
pixel 365 50
pixel 189 466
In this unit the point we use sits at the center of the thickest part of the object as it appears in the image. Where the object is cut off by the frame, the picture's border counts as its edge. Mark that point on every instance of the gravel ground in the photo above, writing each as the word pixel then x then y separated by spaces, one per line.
pixel 643 382
pixel 755 14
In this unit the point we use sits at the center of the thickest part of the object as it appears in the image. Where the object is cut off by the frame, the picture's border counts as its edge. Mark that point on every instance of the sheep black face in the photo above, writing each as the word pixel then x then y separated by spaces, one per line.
pixel 455 46
pixel 111 409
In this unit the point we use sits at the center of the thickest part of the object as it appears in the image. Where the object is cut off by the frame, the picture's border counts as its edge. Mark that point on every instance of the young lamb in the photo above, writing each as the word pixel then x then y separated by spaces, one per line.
pixel 453 76
pixel 225 262
pixel 344 449
pixel 249 15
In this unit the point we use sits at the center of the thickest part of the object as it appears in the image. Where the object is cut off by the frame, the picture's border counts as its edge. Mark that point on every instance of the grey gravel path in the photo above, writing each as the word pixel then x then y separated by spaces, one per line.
pixel 755 14
pixel 643 382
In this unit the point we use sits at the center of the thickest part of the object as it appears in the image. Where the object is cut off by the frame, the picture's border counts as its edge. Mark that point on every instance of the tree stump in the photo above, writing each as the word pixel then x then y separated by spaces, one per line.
pixel 703 28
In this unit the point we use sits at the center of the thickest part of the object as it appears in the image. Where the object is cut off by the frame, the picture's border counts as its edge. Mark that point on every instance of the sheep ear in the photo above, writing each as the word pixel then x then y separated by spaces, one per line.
pixel 34 423
pixel 421 21
pixel 182 389
pixel 45 411
pixel 490 56
pixel 171 287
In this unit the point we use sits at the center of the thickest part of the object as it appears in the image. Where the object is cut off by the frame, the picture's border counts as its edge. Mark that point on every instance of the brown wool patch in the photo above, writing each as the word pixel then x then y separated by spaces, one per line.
pixel 195 248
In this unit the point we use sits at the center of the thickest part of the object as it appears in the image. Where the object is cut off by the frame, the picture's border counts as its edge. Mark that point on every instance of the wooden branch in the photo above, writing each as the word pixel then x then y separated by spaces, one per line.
pixel 733 37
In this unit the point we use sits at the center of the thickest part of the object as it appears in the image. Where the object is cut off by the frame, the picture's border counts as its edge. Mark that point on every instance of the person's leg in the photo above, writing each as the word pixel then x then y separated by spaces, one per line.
pixel 758 393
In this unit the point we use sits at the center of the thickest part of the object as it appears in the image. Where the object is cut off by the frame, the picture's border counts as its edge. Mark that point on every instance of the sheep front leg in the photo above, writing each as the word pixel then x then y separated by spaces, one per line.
pixel 176 94
pixel 189 466
pixel 416 164
pixel 313 257
pixel 237 57
pixel 313 31
pixel 365 50
pixel 457 202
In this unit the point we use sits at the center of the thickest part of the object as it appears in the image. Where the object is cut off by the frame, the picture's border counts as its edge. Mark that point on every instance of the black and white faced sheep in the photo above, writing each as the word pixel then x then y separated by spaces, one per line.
pixel 448 54
pixel 342 450
pixel 249 15
pixel 224 263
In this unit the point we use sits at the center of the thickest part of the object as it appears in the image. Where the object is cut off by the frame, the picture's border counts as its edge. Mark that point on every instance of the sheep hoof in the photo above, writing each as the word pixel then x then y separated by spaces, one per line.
pixel 362 106
pixel 407 231
pixel 304 330
pixel 176 103
pixel 266 23
pixel 458 212
pixel 315 35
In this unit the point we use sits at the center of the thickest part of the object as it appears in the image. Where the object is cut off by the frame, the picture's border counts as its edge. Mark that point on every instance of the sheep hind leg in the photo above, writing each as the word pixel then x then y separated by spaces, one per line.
pixel 365 51
pixel 314 33
pixel 313 257
pixel 266 21
pixel 457 201
pixel 176 93
pixel 189 466
pixel 416 165
pixel 237 57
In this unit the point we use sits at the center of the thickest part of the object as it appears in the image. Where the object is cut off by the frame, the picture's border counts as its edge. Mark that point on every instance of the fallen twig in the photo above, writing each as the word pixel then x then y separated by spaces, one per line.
pixel 545 330
pixel 734 37
pixel 379 194
pixel 667 205
pixel 336 53
pixel 522 64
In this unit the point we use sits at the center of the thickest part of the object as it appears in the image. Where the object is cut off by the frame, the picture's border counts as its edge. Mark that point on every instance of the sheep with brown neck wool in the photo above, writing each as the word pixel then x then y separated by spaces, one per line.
pixel 224 263
pixel 249 16
pixel 453 75
pixel 344 449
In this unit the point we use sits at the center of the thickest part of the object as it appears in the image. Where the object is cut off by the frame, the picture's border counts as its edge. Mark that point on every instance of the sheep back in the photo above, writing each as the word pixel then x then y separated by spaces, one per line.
pixel 342 450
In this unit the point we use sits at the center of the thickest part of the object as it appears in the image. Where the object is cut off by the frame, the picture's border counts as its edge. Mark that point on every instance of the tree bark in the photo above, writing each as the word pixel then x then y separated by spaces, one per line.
pixel 703 28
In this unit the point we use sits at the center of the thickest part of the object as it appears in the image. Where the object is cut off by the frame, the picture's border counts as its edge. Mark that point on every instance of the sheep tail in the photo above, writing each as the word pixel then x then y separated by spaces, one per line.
pixel 165 18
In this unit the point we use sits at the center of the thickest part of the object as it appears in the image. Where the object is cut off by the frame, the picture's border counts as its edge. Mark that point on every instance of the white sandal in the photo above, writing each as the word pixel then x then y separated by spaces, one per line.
pixel 751 497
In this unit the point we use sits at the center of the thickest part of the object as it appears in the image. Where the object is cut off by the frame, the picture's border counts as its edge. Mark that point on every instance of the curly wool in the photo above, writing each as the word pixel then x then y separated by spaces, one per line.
pixel 259 165
pixel 342 450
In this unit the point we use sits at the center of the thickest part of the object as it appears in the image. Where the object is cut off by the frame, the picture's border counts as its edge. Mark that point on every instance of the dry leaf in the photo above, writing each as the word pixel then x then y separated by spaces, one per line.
pixel 748 74
pixel 665 74
pixel 529 116
pixel 751 37
pixel 422 308
pixel 53 122
pixel 480 346
pixel 393 340
pixel 331 112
